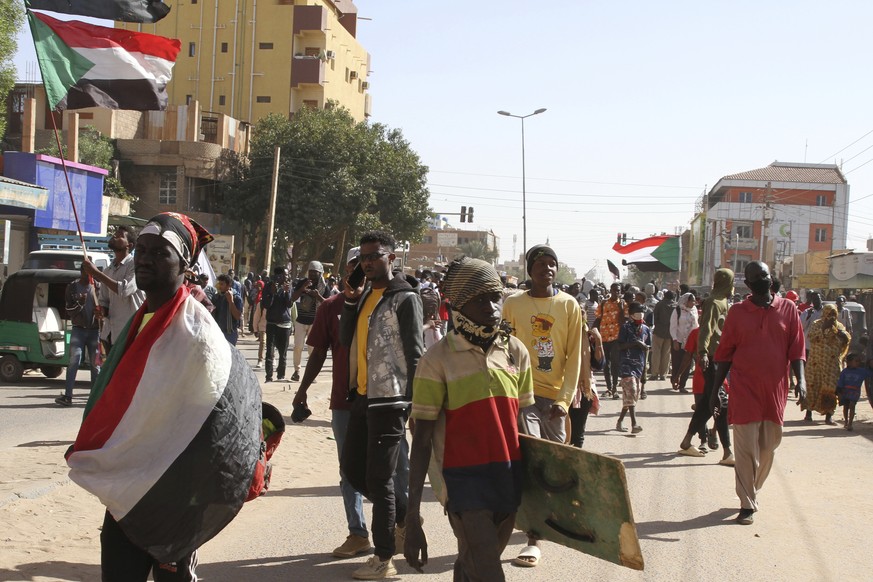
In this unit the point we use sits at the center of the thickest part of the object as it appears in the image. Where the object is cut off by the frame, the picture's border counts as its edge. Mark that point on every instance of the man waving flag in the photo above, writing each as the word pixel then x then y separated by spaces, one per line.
pixel 84 65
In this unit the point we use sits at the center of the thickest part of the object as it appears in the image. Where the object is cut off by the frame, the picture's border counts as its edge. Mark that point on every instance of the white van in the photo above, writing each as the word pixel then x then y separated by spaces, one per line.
pixel 64 259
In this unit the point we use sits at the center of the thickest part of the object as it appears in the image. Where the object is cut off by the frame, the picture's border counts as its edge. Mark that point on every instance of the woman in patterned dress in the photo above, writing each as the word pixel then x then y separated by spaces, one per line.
pixel 828 343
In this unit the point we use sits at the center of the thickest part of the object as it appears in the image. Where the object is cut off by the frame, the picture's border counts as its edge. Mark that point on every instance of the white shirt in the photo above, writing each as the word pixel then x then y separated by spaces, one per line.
pixel 123 304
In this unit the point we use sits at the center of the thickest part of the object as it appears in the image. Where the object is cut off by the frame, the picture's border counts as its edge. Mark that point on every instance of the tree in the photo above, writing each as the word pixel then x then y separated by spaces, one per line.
pixel 11 17
pixel 97 150
pixel 477 249
pixel 566 274
pixel 337 178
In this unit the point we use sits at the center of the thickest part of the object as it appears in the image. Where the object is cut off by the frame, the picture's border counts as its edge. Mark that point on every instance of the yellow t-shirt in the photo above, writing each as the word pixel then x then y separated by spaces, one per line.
pixel 146 318
pixel 551 329
pixel 362 332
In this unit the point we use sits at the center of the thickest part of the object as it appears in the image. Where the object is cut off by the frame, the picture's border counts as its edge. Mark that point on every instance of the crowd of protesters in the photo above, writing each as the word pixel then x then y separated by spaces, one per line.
pixel 471 358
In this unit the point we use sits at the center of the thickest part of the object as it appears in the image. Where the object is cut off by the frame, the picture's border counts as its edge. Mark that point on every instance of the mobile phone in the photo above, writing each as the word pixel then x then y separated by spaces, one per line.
pixel 357 277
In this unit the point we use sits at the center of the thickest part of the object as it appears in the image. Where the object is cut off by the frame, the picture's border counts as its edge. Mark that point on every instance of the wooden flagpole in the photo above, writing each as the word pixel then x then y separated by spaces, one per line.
pixel 60 149
pixel 67 178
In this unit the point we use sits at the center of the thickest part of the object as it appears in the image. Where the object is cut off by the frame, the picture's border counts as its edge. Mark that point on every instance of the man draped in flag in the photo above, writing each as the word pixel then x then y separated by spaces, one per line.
pixel 171 433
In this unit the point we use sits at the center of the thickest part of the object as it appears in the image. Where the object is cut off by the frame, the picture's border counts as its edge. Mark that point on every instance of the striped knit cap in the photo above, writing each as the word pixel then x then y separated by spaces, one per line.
pixel 466 278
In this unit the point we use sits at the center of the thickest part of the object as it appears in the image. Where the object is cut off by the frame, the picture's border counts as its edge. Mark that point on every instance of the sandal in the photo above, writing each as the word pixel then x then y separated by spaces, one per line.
pixel 691 452
pixel 712 439
pixel 529 557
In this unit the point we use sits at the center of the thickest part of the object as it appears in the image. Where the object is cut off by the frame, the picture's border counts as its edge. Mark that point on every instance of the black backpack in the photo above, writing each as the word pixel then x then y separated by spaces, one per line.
pixel 430 303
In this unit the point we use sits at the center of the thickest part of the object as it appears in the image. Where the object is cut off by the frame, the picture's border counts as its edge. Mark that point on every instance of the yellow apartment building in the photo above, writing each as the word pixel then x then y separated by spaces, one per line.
pixel 247 59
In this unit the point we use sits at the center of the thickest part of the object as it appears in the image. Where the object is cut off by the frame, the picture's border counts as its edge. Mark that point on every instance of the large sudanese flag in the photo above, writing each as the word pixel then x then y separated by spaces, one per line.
pixel 123 10
pixel 172 430
pixel 84 65
pixel 656 253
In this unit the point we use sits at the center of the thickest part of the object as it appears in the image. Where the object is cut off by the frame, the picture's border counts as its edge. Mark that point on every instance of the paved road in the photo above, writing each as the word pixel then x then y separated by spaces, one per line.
pixel 812 526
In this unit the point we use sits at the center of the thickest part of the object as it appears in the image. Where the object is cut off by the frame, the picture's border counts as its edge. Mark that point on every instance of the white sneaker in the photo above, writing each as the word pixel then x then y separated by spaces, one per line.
pixel 258 365
pixel 375 569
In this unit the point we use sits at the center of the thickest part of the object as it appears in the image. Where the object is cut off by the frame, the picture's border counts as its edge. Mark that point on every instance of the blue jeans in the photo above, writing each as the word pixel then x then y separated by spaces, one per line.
pixel 80 339
pixel 353 501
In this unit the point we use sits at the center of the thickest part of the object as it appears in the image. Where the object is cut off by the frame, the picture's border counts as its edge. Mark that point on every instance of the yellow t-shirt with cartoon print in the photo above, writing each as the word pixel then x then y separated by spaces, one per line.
pixel 551 329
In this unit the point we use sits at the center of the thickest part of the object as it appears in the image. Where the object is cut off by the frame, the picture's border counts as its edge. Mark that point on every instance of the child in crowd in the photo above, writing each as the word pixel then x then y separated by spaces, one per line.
pixel 849 387
pixel 634 341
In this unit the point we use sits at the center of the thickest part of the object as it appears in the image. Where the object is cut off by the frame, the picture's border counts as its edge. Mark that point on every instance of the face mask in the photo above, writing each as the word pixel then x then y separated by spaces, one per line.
pixel 637 317
pixel 759 287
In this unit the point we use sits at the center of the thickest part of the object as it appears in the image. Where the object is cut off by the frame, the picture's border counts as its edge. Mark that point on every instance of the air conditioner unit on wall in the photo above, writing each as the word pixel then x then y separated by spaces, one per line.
pixel 365 85
pixel 330 55
pixel 353 75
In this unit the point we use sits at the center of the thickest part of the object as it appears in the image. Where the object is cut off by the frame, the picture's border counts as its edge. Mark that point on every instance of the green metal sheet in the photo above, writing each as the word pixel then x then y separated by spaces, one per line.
pixel 578 499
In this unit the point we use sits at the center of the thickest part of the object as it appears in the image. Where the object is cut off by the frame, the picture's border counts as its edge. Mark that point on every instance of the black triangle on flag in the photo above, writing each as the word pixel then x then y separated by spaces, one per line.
pixel 122 10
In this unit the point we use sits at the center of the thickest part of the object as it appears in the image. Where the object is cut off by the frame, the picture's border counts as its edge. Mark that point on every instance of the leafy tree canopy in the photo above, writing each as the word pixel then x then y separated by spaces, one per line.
pixel 477 249
pixel 11 18
pixel 337 178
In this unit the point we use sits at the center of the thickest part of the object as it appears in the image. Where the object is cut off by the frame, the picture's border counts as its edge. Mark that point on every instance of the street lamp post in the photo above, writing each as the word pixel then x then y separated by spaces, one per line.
pixel 523 186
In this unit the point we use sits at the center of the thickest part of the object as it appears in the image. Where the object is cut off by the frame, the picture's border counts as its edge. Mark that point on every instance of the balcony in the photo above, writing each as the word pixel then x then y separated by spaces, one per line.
pixel 309 19
pixel 307 71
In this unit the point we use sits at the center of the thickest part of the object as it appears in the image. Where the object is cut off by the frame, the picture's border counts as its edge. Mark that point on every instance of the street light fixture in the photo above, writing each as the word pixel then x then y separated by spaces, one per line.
pixel 523 185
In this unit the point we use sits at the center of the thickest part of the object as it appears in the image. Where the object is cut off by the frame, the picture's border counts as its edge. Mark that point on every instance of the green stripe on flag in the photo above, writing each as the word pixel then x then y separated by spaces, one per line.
pixel 61 66
pixel 668 253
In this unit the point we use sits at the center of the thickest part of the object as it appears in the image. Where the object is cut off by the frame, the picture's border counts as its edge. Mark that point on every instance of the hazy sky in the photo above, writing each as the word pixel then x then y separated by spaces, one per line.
pixel 648 105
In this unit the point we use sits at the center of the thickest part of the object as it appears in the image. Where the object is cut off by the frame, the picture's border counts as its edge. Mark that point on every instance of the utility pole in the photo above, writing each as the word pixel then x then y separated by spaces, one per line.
pixel 271 220
pixel 765 222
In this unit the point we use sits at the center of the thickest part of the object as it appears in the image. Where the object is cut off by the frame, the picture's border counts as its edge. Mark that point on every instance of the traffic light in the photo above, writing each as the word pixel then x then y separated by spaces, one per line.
pixel 470 214
pixel 463 214
pixel 624 238
pixel 618 238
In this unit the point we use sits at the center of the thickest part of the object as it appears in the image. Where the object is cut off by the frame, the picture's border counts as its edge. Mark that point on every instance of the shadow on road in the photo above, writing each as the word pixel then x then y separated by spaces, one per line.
pixel 322 567
pixel 651 530
pixel 61 571
pixel 45 444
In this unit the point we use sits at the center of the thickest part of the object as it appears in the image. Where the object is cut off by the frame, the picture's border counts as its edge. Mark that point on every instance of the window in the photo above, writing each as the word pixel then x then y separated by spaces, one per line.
pixel 310 103
pixel 188 99
pixel 821 235
pixel 221 99
pixel 167 193
pixel 427 240
pixel 224 47
pixel 192 49
pixel 312 51
pixel 263 99
pixel 821 200
pixel 193 1
pixel 746 197
pixel 265 46
pixel 743 230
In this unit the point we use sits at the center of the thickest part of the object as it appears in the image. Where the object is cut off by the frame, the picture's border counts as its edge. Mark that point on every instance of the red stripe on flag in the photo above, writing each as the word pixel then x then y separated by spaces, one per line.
pixel 108 411
pixel 81 35
pixel 652 242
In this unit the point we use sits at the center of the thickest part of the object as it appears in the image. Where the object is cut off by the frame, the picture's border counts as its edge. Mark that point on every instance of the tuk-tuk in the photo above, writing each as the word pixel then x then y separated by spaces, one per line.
pixel 34 331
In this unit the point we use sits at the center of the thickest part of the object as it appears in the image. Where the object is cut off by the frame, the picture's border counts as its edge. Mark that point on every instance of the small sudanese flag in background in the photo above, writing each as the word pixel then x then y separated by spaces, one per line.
pixel 84 65
pixel 656 253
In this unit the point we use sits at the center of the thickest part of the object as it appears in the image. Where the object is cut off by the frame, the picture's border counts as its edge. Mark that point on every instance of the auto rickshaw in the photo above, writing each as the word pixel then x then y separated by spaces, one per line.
pixel 34 331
